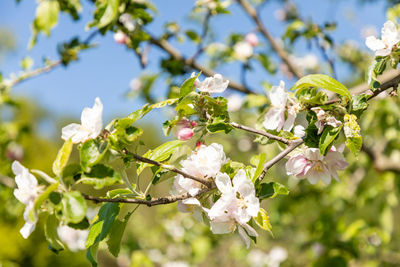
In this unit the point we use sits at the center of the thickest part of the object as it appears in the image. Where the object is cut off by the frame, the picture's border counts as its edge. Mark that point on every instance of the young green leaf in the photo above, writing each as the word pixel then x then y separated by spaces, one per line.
pixel 328 136
pixel 263 221
pixel 73 207
pixel 101 176
pixel 271 190
pixel 258 161
pixel 92 153
pixel 322 81
pixel 188 86
pixel 50 232
pixel 62 158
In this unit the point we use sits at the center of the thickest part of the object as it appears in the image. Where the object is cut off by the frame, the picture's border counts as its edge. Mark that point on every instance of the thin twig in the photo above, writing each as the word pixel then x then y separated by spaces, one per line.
pixel 260 132
pixel 175 54
pixel 252 12
pixel 149 203
pixel 293 145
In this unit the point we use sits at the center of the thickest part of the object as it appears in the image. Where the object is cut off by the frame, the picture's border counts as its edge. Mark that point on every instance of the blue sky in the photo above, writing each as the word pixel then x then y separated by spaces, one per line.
pixel 106 70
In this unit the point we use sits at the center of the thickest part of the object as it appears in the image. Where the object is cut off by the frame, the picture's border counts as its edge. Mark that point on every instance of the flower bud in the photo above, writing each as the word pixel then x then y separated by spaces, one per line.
pixel 120 37
pixel 252 39
pixel 185 134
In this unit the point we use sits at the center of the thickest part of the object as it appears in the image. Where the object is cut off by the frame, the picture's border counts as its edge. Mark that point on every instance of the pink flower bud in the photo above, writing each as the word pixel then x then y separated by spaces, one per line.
pixel 252 39
pixel 194 124
pixel 120 37
pixel 185 134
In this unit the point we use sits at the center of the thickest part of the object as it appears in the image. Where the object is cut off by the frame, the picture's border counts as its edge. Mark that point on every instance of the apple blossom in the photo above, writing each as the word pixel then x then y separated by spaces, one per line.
pixel 205 161
pixel 135 84
pixel 275 117
pixel 236 206
pixel 235 102
pixel 389 39
pixel 299 131
pixel 128 22
pixel 75 239
pixel 185 133
pixel 323 119
pixel 215 84
pixel 312 165
pixel 252 39
pixel 27 191
pixel 243 51
pixel 307 62
pixel 90 127
pixel 120 37
pixel 276 256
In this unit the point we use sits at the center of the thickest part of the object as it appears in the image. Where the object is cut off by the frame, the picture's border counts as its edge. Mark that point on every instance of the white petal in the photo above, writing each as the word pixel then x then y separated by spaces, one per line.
pixel 91 118
pixel 27 229
pixel 223 182
pixel 383 52
pixel 313 154
pixel 70 130
pixel 373 43
pixel 274 119
pixel 222 227
pixel 250 230
pixel 278 95
pixel 390 35
pixel 245 238
pixel 253 205
pixel 290 120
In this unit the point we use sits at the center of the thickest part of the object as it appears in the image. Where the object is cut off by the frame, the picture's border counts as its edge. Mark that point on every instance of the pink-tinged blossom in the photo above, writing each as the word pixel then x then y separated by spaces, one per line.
pixel 275 117
pixel 252 39
pixel 27 191
pixel 120 37
pixel 390 36
pixel 90 127
pixel 75 239
pixel 185 134
pixel 236 206
pixel 313 166
pixel 215 84
pixel 324 119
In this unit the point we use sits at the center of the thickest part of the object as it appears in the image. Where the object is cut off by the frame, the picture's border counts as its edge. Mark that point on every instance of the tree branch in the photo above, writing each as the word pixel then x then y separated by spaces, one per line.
pixel 175 54
pixel 260 132
pixel 205 182
pixel 292 146
pixel 251 11
pixel 149 203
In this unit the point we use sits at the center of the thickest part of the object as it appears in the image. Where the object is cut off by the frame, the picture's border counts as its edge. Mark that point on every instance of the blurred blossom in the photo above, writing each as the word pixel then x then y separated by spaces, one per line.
pixel 210 4
pixel 318 249
pixel 257 258
pixel 15 152
pixel 174 229
pixel 75 239
pixel 215 84
pixel 243 51
pixel 244 145
pixel 135 84
pixel 120 37
pixel 176 264
pixel 307 62
pixel 252 39
pixel 128 22
pixel 235 102
pixel 155 255
pixel 280 14
pixel 276 256
pixel 368 30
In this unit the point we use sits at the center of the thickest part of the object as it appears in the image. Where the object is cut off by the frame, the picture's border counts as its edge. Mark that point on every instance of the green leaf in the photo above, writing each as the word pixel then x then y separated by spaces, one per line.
pixel 193 36
pixel 267 63
pixel 46 16
pixel 101 176
pixel 92 152
pixel 100 229
pixel 359 104
pixel 26 63
pixel 116 234
pixel 354 144
pixel 218 124
pixel 188 86
pixel 271 190
pixel 50 232
pixel 73 207
pixel 160 153
pixel 62 158
pixel 322 81
pixel 110 13
pixel 263 221
pixel 42 198
pixel 328 136
pixel 258 161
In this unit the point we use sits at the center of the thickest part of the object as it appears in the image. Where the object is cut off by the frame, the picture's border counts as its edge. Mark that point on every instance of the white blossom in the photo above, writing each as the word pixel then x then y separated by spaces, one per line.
pixel 90 127
pixel 324 119
pixel 390 36
pixel 275 117
pixel 243 50
pixel 310 164
pixel 252 39
pixel 135 84
pixel 128 22
pixel 299 131
pixel 276 256
pixel 235 102
pixel 307 62
pixel 215 84
pixel 236 206
pixel 75 239
pixel 27 191
pixel 120 37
